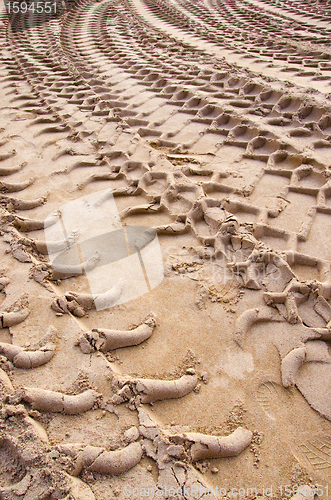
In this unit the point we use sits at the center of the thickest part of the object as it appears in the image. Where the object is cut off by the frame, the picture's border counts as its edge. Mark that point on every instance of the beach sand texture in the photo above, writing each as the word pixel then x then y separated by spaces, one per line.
pixel 165 241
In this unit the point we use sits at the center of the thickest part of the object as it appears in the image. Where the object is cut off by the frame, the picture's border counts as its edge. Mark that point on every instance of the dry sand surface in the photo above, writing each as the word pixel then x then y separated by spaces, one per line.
pixel 165 273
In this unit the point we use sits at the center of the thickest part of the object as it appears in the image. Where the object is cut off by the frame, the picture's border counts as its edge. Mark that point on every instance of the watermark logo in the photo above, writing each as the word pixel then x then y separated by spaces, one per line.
pixel 121 263
pixel 26 14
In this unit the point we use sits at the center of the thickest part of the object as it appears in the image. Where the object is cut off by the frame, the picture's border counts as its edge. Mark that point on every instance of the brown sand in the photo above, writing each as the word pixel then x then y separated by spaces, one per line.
pixel 208 121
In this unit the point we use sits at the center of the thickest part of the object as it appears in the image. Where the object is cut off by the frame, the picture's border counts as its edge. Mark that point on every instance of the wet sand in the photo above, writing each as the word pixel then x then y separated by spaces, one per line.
pixel 187 355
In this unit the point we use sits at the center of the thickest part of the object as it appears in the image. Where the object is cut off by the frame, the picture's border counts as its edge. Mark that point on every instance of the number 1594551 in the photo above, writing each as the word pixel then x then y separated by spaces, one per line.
pixel 34 7
pixel 312 490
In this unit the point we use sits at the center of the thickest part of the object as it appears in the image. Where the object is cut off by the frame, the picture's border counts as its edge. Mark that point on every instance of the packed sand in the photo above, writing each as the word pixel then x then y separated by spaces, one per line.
pixel 165 271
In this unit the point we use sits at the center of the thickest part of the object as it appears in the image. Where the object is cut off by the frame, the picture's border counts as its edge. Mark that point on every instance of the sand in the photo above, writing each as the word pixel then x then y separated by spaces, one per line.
pixel 165 277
